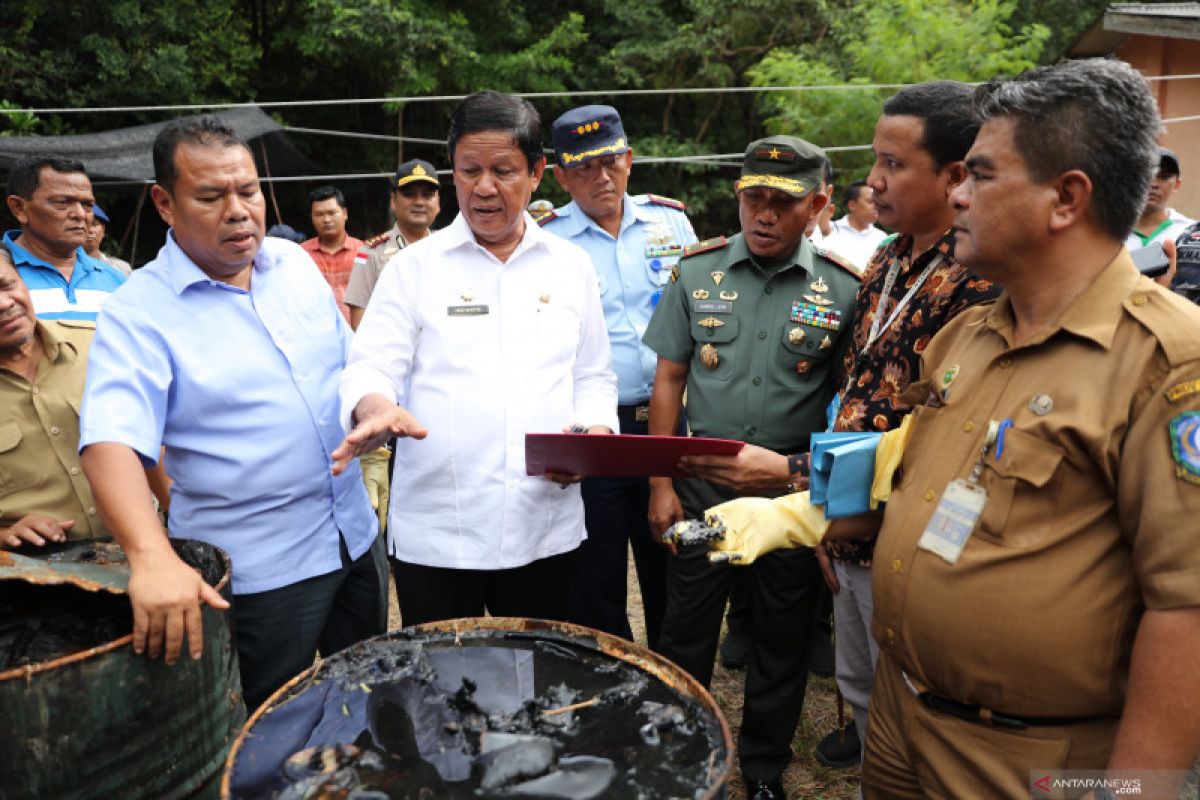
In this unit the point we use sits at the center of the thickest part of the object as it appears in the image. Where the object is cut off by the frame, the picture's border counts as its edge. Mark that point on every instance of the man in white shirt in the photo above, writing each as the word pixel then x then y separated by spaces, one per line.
pixel 854 237
pixel 489 329
pixel 1158 222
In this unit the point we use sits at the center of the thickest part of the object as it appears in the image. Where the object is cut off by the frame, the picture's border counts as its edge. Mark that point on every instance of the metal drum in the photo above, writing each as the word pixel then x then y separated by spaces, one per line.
pixel 489 707
pixel 85 716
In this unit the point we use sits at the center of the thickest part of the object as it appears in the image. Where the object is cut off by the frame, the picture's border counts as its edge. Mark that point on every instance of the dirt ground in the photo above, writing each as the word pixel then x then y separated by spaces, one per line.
pixel 805 779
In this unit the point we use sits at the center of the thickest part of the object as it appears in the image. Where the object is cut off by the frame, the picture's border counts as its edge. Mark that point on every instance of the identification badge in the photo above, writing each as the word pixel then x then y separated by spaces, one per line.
pixel 953 520
pixel 467 311
pixel 713 307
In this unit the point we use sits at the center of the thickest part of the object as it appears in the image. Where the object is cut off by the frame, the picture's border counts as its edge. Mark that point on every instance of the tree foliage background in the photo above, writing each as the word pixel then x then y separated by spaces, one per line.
pixel 78 53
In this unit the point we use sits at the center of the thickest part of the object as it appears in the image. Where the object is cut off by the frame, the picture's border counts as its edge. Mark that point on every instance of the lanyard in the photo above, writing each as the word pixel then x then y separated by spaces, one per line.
pixel 878 326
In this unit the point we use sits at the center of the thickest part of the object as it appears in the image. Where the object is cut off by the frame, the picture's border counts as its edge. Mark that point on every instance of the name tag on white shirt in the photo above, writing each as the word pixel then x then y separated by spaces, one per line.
pixel 466 311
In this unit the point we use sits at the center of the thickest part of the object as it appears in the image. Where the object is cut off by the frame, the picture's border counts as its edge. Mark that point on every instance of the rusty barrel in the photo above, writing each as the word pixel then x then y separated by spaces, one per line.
pixel 84 716
pixel 485 707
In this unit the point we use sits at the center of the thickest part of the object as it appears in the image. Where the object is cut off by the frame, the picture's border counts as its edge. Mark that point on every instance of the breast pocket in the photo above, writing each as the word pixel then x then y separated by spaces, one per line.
pixel 922 418
pixel 658 269
pixel 324 342
pixel 803 352
pixel 559 328
pixel 716 345
pixel 1028 466
pixel 18 472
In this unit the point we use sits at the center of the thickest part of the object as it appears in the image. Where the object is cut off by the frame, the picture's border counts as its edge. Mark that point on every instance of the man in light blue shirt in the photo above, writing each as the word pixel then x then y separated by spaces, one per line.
pixel 52 200
pixel 634 243
pixel 226 351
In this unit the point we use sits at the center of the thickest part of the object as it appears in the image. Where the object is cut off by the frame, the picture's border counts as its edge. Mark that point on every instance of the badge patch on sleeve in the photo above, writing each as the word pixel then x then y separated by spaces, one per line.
pixel 1185 446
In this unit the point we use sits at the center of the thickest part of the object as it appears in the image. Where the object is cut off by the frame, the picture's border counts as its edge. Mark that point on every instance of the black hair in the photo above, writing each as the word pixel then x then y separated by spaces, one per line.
pixel 205 130
pixel 1095 115
pixel 282 231
pixel 852 192
pixel 949 119
pixel 324 193
pixel 494 111
pixel 25 175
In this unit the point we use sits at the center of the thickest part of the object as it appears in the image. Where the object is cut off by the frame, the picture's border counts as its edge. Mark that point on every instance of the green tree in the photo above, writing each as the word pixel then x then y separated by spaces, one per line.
pixel 889 42
pixel 77 53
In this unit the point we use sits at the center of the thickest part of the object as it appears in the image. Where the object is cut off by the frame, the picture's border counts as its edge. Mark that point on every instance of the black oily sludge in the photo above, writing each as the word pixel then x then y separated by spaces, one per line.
pixel 500 715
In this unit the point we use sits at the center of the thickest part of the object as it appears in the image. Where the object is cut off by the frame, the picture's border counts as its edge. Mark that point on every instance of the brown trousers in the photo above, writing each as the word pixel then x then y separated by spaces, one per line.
pixel 913 751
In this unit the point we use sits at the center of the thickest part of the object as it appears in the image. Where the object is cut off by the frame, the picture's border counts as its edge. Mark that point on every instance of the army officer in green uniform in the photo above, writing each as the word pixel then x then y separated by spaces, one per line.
pixel 754 327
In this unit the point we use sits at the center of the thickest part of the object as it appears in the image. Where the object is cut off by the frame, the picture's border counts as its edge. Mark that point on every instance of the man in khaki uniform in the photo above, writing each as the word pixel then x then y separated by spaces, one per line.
pixel 1037 577
pixel 415 204
pixel 44 495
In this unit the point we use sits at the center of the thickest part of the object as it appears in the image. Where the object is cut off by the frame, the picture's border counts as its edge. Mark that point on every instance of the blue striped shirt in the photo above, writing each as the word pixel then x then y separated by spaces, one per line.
pixel 54 297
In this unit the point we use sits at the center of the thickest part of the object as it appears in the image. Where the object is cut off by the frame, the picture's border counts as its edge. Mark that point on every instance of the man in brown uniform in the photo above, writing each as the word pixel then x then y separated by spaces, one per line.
pixel 44 495
pixel 1037 578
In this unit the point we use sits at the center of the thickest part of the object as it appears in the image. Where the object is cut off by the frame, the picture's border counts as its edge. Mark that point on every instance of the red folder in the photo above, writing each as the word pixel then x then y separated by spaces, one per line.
pixel 618 455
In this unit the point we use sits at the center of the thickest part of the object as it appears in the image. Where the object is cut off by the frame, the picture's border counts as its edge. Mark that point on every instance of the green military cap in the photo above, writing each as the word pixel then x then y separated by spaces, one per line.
pixel 786 163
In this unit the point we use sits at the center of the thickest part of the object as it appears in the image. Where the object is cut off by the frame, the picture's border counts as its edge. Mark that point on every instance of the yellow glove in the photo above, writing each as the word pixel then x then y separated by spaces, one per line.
pixel 757 525
pixel 741 530
pixel 887 460
pixel 375 477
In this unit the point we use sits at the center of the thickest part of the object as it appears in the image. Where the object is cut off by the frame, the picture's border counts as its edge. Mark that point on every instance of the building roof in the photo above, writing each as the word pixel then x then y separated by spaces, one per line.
pixel 1123 20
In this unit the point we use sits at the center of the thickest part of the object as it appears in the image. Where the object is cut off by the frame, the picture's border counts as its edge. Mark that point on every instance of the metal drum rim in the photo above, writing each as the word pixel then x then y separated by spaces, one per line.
pixel 661 668
pixel 29 670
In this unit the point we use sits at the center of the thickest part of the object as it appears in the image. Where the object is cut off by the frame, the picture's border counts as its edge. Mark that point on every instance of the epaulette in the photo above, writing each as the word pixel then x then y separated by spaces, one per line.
pixel 715 243
pixel 669 202
pixel 376 240
pixel 829 255
pixel 1169 317
pixel 544 217
pixel 81 324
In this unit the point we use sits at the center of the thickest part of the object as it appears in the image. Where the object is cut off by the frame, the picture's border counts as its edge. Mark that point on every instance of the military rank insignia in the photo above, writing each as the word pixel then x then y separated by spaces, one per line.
pixel 663 250
pixel 1182 390
pixel 817 316
pixel 1185 446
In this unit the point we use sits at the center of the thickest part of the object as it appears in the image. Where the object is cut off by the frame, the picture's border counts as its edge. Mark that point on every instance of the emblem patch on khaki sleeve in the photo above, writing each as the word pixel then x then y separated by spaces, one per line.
pixel 1185 446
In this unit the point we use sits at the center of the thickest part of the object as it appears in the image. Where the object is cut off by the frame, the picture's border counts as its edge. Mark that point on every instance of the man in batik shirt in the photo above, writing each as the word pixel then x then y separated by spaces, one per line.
pixel 912 287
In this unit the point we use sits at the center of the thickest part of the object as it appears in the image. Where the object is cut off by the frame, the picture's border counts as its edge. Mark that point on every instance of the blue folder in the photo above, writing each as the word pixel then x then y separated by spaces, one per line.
pixel 842 470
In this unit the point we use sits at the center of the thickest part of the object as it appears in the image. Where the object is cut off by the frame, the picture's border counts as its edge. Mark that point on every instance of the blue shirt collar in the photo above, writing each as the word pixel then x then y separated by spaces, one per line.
pixel 576 220
pixel 21 256
pixel 183 272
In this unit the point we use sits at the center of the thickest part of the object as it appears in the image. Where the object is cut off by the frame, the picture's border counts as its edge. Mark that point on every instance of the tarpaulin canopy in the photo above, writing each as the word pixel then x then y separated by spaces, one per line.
pixel 124 153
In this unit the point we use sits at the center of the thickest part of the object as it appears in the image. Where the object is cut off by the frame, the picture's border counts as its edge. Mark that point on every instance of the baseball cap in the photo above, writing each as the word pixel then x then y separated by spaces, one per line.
pixel 1168 162
pixel 786 163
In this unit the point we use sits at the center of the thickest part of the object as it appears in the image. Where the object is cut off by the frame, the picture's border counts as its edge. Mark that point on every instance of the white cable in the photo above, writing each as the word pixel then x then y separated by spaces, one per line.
pixel 839 87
